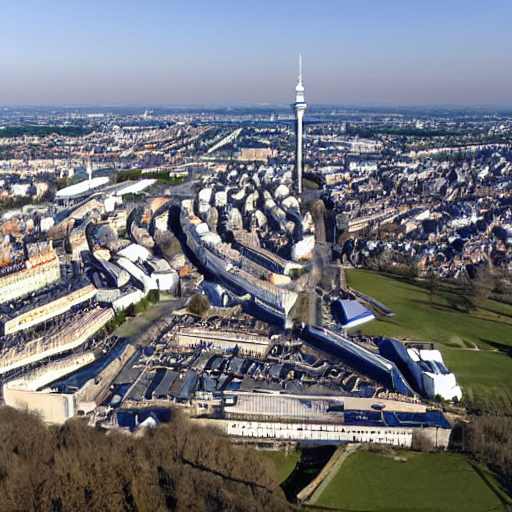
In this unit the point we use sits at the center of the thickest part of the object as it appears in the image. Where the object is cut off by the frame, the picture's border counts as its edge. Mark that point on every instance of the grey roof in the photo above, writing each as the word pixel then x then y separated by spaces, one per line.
pixel 138 393
pixel 166 383
pixel 235 365
pixel 189 385
pixel 129 373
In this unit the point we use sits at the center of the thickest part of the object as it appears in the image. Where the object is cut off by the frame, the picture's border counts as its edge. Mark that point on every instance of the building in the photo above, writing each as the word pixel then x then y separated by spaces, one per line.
pixel 70 334
pixel 41 268
pixel 249 343
pixel 73 385
pixel 56 301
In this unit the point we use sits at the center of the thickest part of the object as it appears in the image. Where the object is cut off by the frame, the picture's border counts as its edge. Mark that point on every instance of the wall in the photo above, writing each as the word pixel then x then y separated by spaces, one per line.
pixel 221 339
pixel 98 388
pixel 318 432
pixel 52 408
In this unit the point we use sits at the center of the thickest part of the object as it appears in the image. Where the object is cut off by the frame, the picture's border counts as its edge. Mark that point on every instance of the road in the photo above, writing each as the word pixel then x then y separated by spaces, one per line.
pixel 134 328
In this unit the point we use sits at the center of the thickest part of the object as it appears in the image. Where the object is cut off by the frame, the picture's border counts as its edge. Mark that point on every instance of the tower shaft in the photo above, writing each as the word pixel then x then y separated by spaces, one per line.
pixel 299 113
pixel 299 107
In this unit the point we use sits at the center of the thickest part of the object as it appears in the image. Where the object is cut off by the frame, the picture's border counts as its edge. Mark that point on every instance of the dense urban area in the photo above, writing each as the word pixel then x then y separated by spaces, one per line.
pixel 237 309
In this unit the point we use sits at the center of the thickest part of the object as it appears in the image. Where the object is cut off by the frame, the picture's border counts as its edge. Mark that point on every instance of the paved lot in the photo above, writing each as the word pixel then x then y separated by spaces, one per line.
pixel 134 328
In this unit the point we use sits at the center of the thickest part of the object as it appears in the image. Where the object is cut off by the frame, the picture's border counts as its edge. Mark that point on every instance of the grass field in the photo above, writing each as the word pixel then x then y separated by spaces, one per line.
pixel 427 482
pixel 285 463
pixel 469 342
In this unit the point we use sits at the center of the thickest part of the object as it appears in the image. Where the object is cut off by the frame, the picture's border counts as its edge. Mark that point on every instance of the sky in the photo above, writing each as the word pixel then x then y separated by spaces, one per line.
pixel 230 52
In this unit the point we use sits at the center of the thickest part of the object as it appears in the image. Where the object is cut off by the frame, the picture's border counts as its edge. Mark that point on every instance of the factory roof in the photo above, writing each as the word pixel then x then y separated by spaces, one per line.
pixel 350 313
pixel 135 188
pixel 82 187
pixel 134 252
pixel 158 265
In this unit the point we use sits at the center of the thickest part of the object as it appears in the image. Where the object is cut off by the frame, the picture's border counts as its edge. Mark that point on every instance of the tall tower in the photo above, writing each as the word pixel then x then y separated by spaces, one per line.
pixel 299 107
pixel 89 170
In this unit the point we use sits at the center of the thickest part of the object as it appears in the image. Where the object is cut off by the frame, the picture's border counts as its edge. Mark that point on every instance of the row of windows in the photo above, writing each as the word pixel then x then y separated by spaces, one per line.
pixel 323 429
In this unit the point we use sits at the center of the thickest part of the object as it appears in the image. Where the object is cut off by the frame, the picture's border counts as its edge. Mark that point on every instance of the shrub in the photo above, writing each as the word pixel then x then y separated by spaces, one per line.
pixel 198 304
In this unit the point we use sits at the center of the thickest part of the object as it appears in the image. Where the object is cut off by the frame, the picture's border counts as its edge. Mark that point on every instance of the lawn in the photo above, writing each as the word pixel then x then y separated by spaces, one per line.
pixel 437 482
pixel 486 377
pixel 285 463
pixel 485 374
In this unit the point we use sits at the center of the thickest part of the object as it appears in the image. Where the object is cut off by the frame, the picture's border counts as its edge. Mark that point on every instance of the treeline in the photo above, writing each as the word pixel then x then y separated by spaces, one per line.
pixel 136 174
pixel 464 294
pixel 133 310
pixel 178 467
pixel 405 131
pixel 411 131
pixel 65 182
pixel 488 439
pixel 130 175
pixel 198 304
pixel 9 203
pixel 43 131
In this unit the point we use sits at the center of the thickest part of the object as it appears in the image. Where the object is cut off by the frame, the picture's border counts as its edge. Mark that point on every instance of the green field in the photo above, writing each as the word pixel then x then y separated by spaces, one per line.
pixel 427 482
pixel 285 463
pixel 469 342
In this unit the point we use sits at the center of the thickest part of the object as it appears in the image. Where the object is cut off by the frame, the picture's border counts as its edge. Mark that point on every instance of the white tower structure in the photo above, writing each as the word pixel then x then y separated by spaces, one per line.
pixel 299 106
pixel 89 171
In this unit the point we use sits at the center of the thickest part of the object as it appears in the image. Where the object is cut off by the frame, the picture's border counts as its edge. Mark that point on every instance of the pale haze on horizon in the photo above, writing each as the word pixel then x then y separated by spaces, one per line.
pixel 447 52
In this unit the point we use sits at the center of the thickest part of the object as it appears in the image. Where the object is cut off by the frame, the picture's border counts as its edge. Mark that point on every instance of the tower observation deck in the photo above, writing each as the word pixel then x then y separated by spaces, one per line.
pixel 299 107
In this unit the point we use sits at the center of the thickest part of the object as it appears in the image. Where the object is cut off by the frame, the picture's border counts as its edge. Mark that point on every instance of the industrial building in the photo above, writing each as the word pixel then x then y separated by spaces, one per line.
pixel 264 299
pixel 151 272
pixel 288 394
pixel 66 335
pixel 41 268
pixel 41 307
pixel 75 384
pixel 362 360
pixel 424 369
pixel 223 340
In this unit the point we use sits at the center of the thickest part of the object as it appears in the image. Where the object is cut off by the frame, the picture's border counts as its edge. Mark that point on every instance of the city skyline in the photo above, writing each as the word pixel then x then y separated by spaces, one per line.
pixel 389 53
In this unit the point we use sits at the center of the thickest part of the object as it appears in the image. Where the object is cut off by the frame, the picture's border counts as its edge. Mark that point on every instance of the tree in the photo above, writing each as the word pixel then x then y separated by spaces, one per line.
pixel 432 285
pixel 480 288
pixel 178 467
pixel 198 304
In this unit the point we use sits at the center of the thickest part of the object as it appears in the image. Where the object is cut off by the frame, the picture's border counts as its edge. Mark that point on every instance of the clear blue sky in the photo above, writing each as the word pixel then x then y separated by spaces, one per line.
pixel 400 52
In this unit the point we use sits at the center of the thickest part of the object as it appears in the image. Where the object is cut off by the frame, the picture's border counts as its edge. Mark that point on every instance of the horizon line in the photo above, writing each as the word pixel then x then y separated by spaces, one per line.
pixel 286 105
